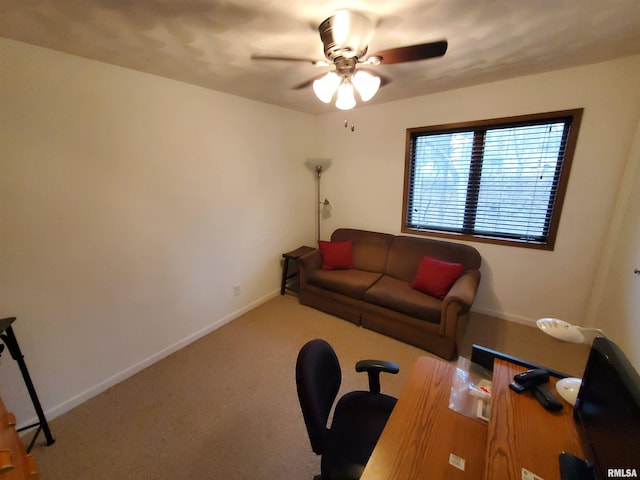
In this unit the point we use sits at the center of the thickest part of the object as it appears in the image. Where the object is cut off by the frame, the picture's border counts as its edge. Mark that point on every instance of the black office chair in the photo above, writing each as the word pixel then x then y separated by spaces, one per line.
pixel 358 417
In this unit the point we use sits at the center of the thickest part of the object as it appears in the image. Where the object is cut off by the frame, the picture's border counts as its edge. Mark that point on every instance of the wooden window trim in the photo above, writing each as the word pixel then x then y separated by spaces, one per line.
pixel 570 146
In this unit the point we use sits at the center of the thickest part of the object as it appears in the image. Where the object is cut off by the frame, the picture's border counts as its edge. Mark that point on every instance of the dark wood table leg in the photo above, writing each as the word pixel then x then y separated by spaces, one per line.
pixel 285 272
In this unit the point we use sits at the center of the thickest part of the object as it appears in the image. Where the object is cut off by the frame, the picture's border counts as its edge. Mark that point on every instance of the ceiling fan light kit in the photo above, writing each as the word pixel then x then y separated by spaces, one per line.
pixel 345 100
pixel 325 87
pixel 345 37
pixel 366 84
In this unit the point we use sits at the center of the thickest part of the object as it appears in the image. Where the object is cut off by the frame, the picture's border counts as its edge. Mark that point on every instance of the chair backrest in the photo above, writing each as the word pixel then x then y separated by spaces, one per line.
pixel 318 378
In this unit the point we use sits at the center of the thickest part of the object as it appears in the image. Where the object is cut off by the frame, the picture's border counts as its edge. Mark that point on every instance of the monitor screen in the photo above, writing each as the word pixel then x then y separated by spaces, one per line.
pixel 608 412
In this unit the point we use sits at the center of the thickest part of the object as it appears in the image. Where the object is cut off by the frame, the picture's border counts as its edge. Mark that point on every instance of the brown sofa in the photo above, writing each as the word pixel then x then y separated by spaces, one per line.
pixel 377 294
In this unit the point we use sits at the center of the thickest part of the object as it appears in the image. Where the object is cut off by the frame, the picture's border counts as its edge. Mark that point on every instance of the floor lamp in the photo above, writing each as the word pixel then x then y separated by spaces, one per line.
pixel 319 165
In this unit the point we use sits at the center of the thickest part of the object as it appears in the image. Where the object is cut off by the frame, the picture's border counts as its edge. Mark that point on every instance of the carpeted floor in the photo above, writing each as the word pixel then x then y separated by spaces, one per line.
pixel 225 407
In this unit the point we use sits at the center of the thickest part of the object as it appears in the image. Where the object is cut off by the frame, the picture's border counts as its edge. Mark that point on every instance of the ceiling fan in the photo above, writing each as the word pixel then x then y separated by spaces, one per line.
pixel 346 37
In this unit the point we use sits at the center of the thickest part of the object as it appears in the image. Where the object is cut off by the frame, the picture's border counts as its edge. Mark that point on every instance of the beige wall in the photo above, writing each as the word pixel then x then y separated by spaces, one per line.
pixel 365 181
pixel 130 205
pixel 615 304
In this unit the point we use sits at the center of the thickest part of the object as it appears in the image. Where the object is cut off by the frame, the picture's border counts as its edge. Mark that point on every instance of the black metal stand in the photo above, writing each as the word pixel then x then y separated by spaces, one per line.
pixel 9 339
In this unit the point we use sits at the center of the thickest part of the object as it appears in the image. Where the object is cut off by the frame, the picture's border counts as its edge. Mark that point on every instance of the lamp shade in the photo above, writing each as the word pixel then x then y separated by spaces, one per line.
pixel 326 86
pixel 345 100
pixel 314 163
pixel 366 84
pixel 561 330
pixel 565 331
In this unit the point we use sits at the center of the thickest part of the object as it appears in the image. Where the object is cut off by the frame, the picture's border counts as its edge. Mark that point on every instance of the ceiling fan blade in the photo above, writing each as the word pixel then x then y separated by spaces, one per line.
pixel 284 59
pixel 413 53
pixel 308 83
pixel 383 80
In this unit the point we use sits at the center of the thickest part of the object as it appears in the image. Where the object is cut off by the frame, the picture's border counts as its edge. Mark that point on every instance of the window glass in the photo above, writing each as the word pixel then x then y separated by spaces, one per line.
pixel 497 180
pixel 440 184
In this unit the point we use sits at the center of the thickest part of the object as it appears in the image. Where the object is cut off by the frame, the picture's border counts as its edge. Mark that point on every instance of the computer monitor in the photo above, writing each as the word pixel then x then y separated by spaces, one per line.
pixel 607 413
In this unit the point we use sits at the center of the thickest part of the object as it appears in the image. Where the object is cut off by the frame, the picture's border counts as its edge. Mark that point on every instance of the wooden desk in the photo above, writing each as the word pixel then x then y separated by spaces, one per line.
pixel 15 464
pixel 522 434
pixel 423 431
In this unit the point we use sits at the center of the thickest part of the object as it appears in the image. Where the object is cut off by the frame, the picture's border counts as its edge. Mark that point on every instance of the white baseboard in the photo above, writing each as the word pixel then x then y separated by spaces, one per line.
pixel 141 365
pixel 505 316
pixel 82 397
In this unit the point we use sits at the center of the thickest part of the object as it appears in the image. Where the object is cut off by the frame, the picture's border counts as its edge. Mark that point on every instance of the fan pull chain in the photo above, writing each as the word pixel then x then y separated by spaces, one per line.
pixel 346 125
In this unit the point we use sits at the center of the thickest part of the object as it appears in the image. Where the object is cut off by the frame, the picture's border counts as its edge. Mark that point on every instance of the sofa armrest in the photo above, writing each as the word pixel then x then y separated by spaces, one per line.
pixel 458 301
pixel 464 288
pixel 308 263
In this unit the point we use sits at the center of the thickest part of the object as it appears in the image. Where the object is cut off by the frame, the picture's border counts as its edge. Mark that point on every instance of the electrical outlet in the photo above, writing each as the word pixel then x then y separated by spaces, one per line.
pixel 236 290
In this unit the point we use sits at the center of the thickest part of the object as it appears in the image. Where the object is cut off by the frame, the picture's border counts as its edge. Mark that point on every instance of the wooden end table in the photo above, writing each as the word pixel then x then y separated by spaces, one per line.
pixel 292 255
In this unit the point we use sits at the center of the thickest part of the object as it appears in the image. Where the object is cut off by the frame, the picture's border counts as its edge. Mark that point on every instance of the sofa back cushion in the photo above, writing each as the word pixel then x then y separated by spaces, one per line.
pixel 406 253
pixel 370 249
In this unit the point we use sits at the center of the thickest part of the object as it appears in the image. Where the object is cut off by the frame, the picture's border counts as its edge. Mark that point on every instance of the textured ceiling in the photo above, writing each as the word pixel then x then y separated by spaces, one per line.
pixel 209 43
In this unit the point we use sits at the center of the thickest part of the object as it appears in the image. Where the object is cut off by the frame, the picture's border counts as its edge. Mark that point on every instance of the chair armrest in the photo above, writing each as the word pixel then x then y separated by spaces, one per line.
pixel 380 365
pixel 373 369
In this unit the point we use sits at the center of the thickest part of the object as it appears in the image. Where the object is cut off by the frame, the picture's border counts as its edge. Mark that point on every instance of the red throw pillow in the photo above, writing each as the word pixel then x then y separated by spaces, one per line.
pixel 435 277
pixel 336 255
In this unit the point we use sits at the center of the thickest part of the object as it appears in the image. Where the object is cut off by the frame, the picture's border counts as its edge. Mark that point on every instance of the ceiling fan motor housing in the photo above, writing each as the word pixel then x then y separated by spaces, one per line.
pixel 346 34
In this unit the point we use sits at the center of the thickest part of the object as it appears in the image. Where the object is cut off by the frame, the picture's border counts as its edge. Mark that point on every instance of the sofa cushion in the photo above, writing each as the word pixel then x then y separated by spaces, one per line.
pixel 406 253
pixel 352 283
pixel 336 255
pixel 398 295
pixel 435 277
pixel 370 249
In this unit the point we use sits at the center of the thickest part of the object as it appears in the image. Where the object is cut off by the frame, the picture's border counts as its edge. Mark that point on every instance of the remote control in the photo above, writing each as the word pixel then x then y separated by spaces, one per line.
pixel 547 399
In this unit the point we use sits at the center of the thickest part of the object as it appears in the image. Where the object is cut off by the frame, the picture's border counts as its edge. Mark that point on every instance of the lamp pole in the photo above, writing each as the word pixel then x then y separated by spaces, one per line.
pixel 318 204
pixel 318 165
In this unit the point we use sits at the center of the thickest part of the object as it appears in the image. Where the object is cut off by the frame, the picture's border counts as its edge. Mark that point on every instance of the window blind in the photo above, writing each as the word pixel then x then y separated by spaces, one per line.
pixel 498 181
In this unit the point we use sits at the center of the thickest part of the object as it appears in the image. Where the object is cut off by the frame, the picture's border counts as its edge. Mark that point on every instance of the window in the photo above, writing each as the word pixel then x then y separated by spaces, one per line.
pixel 499 181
